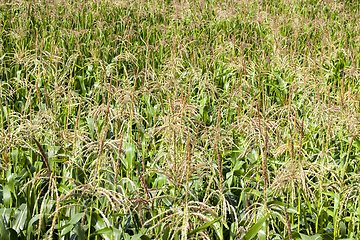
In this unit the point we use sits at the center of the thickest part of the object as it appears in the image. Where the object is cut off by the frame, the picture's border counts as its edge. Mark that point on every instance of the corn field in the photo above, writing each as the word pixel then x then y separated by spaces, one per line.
pixel 174 120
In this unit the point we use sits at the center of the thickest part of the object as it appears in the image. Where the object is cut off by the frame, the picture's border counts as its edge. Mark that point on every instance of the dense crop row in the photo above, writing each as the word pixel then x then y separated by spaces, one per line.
pixel 179 119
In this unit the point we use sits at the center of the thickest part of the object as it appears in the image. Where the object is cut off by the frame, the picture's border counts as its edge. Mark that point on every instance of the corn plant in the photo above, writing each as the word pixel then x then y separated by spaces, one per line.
pixel 157 119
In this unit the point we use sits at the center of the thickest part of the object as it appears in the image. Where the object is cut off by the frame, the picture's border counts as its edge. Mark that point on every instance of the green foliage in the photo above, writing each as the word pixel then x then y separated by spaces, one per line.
pixel 185 119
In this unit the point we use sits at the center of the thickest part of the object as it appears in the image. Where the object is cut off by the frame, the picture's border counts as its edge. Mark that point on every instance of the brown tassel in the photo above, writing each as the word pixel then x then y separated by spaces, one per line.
pixel 42 155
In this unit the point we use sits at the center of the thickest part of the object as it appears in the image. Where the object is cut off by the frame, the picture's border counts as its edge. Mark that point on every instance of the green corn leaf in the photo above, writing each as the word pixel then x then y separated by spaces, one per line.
pixel 130 154
pixel 7 196
pixel 66 229
pixel 137 236
pixel 30 231
pixel 7 213
pixel 20 218
pixel 204 226
pixel 255 229
pixel 106 230
pixel 144 237
pixel 76 218
pixel 91 123
pixel 99 224
pixel 3 232
pixel 79 231
pixel 314 237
